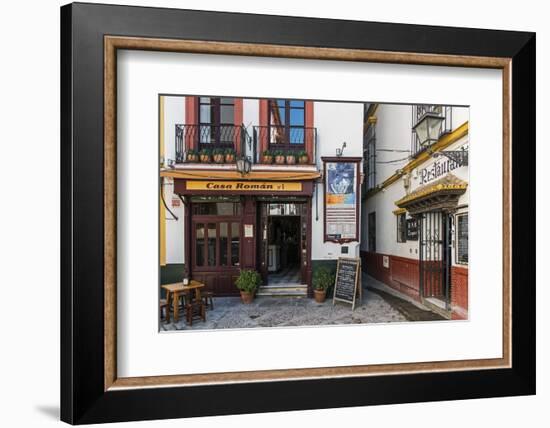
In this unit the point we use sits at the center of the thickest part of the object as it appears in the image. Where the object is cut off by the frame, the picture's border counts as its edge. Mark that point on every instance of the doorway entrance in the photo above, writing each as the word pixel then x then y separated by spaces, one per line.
pixel 283 248
pixel 435 258
pixel 283 243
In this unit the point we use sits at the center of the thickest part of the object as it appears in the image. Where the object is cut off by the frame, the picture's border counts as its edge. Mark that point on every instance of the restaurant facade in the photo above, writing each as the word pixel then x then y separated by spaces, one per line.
pixel 415 203
pixel 244 185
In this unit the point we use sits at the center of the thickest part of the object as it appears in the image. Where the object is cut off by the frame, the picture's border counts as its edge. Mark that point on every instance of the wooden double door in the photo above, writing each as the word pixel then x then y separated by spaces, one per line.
pixel 216 244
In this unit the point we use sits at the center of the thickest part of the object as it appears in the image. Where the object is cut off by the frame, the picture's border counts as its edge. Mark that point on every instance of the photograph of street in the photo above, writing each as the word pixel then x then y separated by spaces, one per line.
pixel 292 213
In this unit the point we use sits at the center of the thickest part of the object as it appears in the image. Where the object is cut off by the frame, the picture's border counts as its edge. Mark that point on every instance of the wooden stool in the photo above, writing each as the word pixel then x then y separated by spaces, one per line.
pixel 207 297
pixel 195 309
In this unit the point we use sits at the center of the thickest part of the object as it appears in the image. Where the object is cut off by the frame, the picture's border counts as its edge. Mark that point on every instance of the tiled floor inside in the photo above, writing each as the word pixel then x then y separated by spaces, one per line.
pixel 288 275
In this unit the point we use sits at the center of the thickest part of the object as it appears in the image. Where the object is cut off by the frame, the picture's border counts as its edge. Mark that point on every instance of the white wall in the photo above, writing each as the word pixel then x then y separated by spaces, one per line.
pixel 174 113
pixel 335 123
pixel 393 131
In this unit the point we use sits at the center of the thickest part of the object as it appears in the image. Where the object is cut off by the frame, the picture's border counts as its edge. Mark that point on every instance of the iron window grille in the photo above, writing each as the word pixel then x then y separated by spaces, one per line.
pixel 461 238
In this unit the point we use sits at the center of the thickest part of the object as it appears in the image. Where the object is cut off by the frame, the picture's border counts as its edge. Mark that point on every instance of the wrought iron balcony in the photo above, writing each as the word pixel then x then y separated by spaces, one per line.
pixel 199 136
pixel 418 113
pixel 283 138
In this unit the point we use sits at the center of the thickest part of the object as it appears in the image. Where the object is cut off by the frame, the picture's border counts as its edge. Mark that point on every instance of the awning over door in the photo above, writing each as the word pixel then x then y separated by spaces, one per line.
pixel 442 194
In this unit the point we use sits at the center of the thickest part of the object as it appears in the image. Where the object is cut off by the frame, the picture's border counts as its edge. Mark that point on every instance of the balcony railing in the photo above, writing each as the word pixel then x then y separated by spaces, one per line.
pixel 200 137
pixel 418 111
pixel 286 139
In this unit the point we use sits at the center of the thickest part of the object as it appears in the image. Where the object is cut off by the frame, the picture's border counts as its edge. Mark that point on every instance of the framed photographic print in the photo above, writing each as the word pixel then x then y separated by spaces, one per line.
pixel 215 173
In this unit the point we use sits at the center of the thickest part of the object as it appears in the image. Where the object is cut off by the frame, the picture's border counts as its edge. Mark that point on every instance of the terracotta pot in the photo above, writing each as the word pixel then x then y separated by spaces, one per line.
pixel 192 158
pixel 291 160
pixel 205 158
pixel 279 159
pixel 303 159
pixel 267 159
pixel 229 158
pixel 319 295
pixel 219 158
pixel 247 297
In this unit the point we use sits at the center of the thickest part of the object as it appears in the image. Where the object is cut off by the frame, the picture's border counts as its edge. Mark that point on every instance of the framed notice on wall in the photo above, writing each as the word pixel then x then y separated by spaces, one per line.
pixel 342 198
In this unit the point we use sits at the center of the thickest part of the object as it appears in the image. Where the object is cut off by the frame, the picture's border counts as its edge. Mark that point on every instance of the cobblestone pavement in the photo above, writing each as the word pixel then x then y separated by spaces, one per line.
pixel 267 311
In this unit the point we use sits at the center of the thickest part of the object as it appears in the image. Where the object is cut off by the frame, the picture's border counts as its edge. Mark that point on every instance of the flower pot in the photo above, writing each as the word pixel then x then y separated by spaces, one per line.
pixel 291 160
pixel 204 158
pixel 303 159
pixel 267 159
pixel 319 295
pixel 279 160
pixel 247 297
pixel 229 158
pixel 192 158
pixel 219 158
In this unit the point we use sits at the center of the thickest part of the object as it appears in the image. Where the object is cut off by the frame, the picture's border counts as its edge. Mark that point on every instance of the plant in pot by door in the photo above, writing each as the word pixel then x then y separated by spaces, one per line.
pixel 279 157
pixel 247 282
pixel 229 156
pixel 290 158
pixel 204 155
pixel 303 158
pixel 192 156
pixel 267 157
pixel 323 279
pixel 218 155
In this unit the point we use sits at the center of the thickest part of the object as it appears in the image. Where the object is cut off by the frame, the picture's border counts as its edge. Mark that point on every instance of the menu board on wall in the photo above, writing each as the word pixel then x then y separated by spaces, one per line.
pixel 347 283
pixel 341 199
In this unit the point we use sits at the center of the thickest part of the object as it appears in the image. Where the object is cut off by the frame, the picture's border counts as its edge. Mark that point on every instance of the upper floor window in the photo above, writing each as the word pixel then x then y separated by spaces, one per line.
pixel 216 121
pixel 369 161
pixel 462 238
pixel 429 123
pixel 287 123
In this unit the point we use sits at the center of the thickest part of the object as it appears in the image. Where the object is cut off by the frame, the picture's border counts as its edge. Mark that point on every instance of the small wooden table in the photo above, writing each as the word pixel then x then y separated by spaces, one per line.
pixel 174 290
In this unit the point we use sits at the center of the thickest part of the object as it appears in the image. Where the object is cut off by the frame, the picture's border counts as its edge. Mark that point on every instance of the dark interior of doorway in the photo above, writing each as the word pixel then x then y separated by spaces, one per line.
pixel 284 240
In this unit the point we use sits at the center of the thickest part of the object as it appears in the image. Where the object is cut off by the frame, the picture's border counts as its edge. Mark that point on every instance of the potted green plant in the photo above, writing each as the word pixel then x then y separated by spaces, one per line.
pixel 204 155
pixel 218 155
pixel 323 279
pixel 303 157
pixel 279 157
pixel 290 157
pixel 192 155
pixel 229 155
pixel 247 282
pixel 267 157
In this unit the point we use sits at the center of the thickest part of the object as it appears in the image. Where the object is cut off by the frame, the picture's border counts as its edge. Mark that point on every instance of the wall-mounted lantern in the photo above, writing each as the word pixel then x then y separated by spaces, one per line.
pixel 428 128
pixel 243 165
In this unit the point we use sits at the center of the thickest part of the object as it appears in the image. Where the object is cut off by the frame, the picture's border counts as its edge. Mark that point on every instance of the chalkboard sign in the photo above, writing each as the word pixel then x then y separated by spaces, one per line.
pixel 347 281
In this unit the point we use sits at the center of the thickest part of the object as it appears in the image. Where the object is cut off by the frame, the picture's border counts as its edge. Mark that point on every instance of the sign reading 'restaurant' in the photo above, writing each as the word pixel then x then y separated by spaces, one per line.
pixel 244 186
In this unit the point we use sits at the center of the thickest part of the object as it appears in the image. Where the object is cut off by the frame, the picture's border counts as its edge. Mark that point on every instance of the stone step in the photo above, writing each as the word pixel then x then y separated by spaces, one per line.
pixel 282 290
pixel 437 306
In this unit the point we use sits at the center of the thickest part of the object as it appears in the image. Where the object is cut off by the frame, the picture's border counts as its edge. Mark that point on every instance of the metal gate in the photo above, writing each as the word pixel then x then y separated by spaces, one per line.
pixel 435 255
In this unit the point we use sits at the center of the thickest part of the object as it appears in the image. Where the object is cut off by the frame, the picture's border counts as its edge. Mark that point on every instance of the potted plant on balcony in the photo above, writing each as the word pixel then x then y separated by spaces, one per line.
pixel 290 157
pixel 247 282
pixel 192 155
pixel 303 157
pixel 204 155
pixel 267 157
pixel 323 279
pixel 229 155
pixel 279 157
pixel 218 155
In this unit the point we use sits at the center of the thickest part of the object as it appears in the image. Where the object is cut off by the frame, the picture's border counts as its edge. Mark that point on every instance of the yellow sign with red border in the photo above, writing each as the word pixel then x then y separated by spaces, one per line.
pixel 245 186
